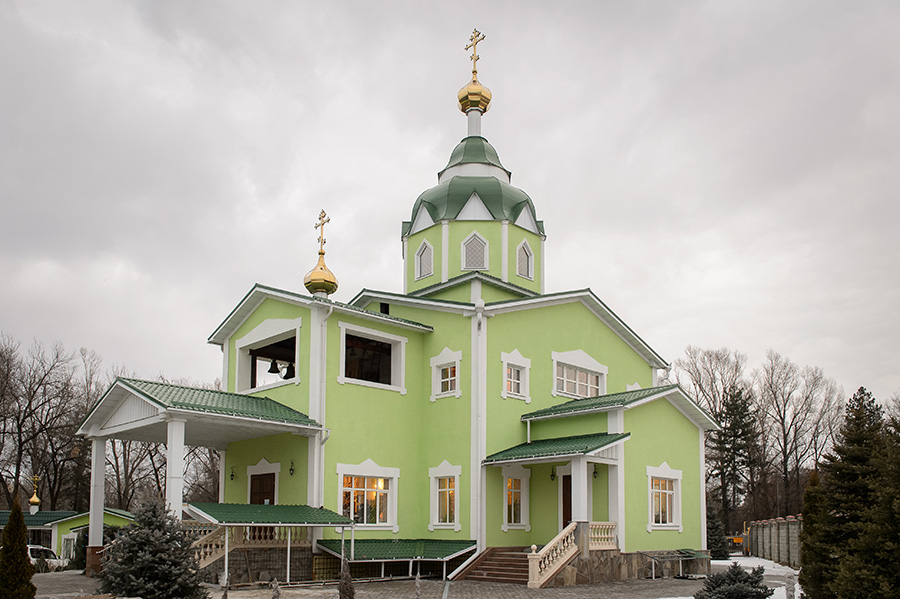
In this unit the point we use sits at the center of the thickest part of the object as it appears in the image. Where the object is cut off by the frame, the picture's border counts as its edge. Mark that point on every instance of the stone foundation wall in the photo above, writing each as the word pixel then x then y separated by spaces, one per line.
pixel 612 566
pixel 254 565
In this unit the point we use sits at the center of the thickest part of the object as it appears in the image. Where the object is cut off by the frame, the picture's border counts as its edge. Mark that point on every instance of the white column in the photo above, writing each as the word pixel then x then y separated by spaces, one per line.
pixel 504 250
pixel 98 490
pixel 175 466
pixel 580 490
pixel 222 470
pixel 474 117
pixel 445 250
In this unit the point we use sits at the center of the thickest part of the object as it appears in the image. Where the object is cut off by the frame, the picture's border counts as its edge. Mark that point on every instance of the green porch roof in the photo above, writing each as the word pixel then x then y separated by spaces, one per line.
pixel 217 402
pixel 37 520
pixel 242 513
pixel 597 404
pixel 398 549
pixel 560 446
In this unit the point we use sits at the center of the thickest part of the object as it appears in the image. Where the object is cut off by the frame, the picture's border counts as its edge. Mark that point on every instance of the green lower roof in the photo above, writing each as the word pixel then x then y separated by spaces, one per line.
pixel 544 448
pixel 39 519
pixel 398 549
pixel 242 513
pixel 591 404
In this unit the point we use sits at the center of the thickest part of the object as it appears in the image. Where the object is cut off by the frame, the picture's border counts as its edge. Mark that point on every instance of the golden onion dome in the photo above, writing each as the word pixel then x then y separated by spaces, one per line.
pixel 320 279
pixel 34 499
pixel 474 95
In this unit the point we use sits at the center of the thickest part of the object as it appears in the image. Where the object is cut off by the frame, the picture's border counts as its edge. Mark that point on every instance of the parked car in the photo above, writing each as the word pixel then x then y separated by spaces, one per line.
pixel 54 563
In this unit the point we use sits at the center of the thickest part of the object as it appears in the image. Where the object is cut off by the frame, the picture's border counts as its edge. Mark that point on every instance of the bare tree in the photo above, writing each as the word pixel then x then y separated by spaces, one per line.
pixel 709 374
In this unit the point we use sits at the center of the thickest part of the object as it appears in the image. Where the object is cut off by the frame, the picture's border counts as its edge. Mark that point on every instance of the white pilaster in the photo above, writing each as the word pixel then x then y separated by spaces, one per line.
pixel 98 491
pixel 175 467
pixel 580 490
pixel 478 476
pixel 474 122
pixel 702 490
pixel 405 266
pixel 222 470
pixel 445 250
pixel 504 250
pixel 543 239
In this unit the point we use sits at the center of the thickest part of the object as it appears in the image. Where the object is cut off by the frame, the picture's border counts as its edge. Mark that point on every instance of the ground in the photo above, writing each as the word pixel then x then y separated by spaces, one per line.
pixel 69 585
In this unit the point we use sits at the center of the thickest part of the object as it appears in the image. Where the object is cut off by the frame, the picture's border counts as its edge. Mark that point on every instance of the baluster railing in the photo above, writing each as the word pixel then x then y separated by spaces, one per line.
pixel 603 536
pixel 543 564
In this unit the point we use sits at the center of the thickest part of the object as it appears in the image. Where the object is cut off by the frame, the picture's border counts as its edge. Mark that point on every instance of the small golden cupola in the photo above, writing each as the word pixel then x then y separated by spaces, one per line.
pixel 474 98
pixel 320 281
pixel 34 502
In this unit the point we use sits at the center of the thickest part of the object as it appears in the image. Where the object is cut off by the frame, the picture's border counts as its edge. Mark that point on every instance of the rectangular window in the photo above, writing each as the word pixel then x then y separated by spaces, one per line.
pixel 663 500
pixel 514 501
pixel 446 491
pixel 448 378
pixel 367 360
pixel 365 499
pixel 514 380
pixel 576 381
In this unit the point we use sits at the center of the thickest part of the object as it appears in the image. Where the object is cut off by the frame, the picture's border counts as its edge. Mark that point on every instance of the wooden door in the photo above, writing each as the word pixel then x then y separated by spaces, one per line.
pixel 566 499
pixel 262 489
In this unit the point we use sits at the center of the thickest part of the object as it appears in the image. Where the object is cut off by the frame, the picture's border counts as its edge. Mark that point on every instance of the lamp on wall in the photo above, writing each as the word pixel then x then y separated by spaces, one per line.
pixel 552 472
pixel 292 468
pixel 595 470
pixel 232 473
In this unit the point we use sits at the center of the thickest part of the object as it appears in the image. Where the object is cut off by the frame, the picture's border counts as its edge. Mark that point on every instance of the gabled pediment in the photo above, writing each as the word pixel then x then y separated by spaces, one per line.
pixel 130 410
pixel 474 209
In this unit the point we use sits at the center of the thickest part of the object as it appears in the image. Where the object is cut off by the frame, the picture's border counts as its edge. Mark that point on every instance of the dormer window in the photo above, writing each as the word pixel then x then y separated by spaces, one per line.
pixel 475 252
pixel 424 261
pixel 525 261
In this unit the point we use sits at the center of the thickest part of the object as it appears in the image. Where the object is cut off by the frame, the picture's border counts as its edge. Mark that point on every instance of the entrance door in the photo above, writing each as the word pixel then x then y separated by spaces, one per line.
pixel 262 489
pixel 566 499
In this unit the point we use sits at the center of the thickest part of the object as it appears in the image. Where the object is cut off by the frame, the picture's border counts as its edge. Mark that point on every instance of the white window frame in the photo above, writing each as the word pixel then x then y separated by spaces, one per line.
pixel 420 272
pixel 462 253
pixel 581 360
pixel 370 469
pixel 263 466
pixel 445 470
pixel 267 332
pixel 446 358
pixel 523 474
pixel 529 271
pixel 398 357
pixel 664 471
pixel 516 360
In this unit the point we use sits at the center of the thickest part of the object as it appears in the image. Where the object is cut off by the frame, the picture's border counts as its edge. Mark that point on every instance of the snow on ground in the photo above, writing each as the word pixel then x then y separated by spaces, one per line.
pixel 773 573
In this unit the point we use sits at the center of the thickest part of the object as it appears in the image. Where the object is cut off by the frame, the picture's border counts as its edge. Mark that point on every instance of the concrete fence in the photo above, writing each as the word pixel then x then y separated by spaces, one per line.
pixel 777 539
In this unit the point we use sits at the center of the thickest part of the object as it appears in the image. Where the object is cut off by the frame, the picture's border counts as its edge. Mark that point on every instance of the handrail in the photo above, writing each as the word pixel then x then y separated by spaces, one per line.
pixel 543 565
pixel 603 536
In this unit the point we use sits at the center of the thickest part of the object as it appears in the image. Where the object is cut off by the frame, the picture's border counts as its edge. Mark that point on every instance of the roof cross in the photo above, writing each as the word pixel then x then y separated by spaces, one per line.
pixel 476 37
pixel 34 480
pixel 323 218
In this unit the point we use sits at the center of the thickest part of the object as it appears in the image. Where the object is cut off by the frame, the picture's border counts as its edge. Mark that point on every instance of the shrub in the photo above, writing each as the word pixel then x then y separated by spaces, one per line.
pixel 735 583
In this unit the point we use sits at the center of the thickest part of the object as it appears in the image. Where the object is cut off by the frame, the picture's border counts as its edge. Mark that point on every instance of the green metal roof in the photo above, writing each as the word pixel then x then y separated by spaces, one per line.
pixel 39 519
pixel 108 510
pixel 445 200
pixel 488 278
pixel 597 404
pixel 217 402
pixel 474 149
pixel 398 549
pixel 242 513
pixel 544 448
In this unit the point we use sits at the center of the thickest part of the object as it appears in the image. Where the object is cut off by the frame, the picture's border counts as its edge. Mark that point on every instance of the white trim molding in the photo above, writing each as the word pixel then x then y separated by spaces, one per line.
pixel 581 360
pixel 445 470
pixel 663 471
pixel 266 333
pixel 515 360
pixel 515 471
pixel 398 357
pixel 369 468
pixel 263 466
pixel 446 358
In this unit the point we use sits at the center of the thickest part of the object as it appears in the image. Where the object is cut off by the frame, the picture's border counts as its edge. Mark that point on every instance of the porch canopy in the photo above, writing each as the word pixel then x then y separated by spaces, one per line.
pixel 558 449
pixel 138 410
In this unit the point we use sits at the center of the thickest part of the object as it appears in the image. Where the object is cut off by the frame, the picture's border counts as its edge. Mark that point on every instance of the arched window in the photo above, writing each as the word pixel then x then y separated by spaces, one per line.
pixel 475 253
pixel 525 261
pixel 424 260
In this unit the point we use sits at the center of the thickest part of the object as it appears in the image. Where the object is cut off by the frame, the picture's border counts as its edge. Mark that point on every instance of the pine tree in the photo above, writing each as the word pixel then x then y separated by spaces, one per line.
pixel 814 543
pixel 735 583
pixel 715 535
pixel 15 567
pixel 151 559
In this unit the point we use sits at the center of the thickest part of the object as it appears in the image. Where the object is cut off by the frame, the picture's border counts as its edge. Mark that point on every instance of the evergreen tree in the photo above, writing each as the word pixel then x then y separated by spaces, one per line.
pixel 15 567
pixel 815 549
pixel 715 535
pixel 151 558
pixel 735 583
pixel 731 450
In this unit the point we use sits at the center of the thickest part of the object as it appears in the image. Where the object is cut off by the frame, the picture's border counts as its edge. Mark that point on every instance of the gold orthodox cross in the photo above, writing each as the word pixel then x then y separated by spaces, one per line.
pixel 34 480
pixel 476 37
pixel 323 218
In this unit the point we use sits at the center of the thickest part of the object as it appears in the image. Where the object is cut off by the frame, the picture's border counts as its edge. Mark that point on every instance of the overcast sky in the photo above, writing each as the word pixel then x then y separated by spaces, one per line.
pixel 719 173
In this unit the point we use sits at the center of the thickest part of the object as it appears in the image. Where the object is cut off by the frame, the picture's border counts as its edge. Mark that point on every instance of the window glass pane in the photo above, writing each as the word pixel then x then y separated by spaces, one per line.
pixel 371 483
pixel 451 506
pixel 346 502
pixel 367 360
pixel 359 503
pixel 382 507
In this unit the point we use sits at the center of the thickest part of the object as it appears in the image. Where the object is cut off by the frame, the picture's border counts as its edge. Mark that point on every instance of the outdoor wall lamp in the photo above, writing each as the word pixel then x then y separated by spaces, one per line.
pixel 292 468
pixel 595 470
pixel 232 473
pixel 553 473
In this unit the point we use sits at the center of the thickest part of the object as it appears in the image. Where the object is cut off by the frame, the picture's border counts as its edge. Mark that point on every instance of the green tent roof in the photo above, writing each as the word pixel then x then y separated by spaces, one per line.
pixel 398 549
pixel 242 513
pixel 217 402
pixel 597 404
pixel 544 448
pixel 474 149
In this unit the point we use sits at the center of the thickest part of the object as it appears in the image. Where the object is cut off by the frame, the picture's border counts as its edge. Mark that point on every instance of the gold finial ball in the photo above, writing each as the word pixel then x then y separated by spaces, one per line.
pixel 320 279
pixel 34 499
pixel 474 95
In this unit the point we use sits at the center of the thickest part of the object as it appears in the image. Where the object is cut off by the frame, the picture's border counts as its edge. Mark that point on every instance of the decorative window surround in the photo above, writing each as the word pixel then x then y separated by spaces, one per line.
pixel 445 470
pixel 664 472
pixel 474 257
pixel 398 357
pixel 517 361
pixel 445 359
pixel 266 333
pixel 523 475
pixel 525 261
pixel 578 359
pixel 370 469
pixel 633 387
pixel 264 467
pixel 424 260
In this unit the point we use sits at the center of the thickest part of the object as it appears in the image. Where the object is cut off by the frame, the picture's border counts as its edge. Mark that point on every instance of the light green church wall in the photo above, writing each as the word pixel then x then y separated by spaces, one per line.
pixel 600 494
pixel 295 396
pixel 460 230
pixel 490 294
pixel 665 436
pixel 433 235
pixel 281 448
pixel 458 293
pixel 516 235
pixel 586 424
pixel 66 527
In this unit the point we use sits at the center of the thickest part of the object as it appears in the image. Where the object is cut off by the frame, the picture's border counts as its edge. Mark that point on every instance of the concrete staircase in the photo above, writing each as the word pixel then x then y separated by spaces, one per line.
pixel 501 564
